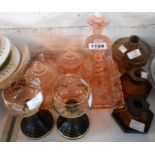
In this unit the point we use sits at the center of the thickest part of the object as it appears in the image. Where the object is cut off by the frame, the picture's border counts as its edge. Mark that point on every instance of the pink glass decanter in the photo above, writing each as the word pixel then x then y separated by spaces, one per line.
pixel 43 66
pixel 100 70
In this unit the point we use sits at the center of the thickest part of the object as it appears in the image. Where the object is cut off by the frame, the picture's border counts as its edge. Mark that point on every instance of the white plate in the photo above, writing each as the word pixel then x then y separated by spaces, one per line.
pixel 25 57
pixel 5 47
pixel 151 70
pixel 11 67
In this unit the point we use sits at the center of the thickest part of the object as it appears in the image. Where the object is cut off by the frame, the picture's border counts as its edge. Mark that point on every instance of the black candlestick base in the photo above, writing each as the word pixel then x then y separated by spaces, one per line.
pixel 73 128
pixel 38 125
pixel 125 128
pixel 135 117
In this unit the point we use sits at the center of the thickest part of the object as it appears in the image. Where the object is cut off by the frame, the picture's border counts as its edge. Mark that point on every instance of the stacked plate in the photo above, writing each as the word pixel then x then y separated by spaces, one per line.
pixel 13 58
pixel 151 70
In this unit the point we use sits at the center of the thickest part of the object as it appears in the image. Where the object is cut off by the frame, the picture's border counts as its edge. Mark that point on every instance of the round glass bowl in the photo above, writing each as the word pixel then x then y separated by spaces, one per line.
pixel 70 87
pixel 23 96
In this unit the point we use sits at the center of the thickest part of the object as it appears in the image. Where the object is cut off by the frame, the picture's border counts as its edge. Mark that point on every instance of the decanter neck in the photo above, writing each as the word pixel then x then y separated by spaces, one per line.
pixel 133 42
pixel 98 24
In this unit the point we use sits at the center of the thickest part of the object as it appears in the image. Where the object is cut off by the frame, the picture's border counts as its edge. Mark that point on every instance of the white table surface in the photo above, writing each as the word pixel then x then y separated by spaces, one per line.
pixel 102 128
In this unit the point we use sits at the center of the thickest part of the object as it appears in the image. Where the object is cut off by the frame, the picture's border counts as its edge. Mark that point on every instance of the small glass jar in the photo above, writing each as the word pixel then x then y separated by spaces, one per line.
pixel 130 52
pixel 135 83
pixel 69 62
pixel 43 66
